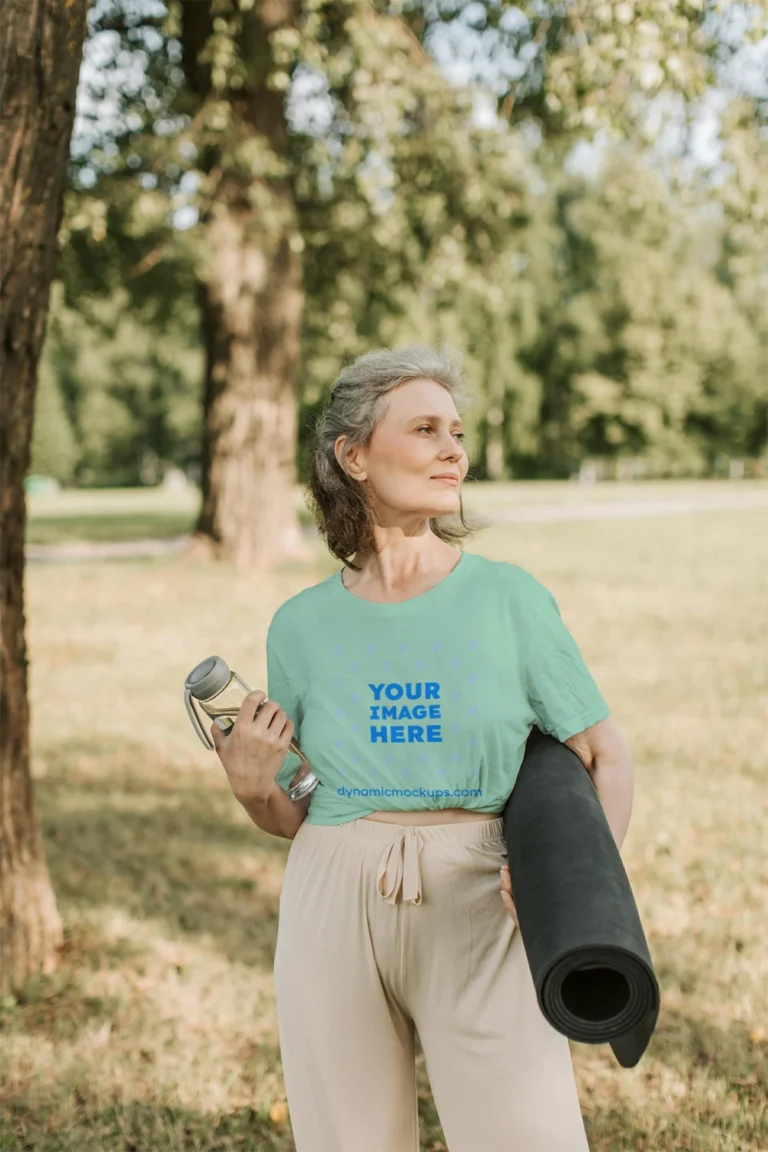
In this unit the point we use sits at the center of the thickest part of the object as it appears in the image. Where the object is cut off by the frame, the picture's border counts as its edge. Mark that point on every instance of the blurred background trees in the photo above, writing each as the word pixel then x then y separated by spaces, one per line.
pixel 260 191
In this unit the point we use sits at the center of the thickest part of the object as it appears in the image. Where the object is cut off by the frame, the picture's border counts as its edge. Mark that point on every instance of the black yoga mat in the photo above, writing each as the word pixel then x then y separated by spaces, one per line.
pixel 575 909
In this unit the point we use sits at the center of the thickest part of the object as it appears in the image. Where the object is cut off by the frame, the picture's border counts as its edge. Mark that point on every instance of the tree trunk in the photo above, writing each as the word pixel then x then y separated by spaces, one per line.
pixel 41 45
pixel 252 304
pixel 251 307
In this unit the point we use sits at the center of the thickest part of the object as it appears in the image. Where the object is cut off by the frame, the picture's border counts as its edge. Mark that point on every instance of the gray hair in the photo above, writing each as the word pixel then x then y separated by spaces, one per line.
pixel 356 406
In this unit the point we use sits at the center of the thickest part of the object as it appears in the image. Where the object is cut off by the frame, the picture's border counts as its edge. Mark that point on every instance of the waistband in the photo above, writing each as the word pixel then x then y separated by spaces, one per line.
pixel 398 872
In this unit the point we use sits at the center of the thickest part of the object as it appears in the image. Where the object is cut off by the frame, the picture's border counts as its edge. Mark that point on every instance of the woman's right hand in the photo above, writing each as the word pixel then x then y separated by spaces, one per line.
pixel 254 749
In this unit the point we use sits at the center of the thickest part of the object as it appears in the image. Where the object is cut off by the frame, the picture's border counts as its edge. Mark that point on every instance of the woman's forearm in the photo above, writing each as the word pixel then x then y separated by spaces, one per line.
pixel 276 813
pixel 614 781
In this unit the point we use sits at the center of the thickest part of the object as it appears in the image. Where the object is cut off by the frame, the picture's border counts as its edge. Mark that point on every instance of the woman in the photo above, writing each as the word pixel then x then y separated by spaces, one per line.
pixel 412 678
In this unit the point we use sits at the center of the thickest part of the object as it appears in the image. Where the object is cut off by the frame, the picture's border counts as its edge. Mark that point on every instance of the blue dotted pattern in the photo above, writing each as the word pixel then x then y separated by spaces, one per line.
pixel 431 762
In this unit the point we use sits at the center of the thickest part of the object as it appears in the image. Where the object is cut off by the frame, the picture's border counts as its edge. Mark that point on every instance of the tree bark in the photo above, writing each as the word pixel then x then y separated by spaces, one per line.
pixel 251 309
pixel 41 45
pixel 252 304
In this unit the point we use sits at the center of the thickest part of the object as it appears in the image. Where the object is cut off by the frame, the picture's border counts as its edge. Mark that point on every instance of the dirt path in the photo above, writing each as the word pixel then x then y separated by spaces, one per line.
pixel 113 550
pixel 523 513
pixel 629 509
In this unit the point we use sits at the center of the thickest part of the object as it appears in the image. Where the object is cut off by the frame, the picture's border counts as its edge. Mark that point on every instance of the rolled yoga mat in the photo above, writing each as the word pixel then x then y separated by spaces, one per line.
pixel 575 909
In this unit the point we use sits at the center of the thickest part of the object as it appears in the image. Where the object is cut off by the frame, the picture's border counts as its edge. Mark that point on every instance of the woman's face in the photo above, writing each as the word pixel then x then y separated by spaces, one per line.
pixel 418 438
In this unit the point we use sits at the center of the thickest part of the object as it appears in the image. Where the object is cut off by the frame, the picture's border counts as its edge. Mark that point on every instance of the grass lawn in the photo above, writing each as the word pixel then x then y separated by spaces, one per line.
pixel 153 513
pixel 158 1033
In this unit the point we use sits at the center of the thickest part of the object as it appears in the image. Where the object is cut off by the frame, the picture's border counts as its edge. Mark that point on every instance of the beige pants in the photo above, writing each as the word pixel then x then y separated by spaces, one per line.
pixel 385 928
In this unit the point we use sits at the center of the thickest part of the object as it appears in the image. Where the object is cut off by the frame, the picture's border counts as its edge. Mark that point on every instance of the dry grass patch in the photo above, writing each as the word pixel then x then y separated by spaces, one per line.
pixel 158 1033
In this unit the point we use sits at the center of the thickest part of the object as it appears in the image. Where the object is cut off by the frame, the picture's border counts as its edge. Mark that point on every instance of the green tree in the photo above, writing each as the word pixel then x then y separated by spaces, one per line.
pixel 393 216
pixel 261 197
pixel 127 389
pixel 652 356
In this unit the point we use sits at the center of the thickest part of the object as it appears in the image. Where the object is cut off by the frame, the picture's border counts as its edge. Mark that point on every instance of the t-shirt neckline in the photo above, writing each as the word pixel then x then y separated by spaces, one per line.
pixel 403 607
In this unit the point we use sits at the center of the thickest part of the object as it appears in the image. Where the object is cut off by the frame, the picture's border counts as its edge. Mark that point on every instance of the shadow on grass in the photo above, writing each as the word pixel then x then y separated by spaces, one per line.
pixel 686 1037
pixel 112 526
pixel 137 1126
pixel 731 1112
pixel 108 527
pixel 159 849
pixel 154 842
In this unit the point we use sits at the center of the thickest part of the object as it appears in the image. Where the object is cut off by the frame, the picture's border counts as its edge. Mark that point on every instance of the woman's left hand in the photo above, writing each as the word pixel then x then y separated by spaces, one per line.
pixel 506 892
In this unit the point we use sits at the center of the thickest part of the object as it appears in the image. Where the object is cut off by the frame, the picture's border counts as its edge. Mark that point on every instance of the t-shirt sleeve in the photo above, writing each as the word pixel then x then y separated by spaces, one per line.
pixel 561 689
pixel 281 689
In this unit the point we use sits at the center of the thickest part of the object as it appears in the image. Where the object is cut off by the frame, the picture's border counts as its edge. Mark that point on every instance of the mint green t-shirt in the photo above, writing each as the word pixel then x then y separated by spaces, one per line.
pixel 428 703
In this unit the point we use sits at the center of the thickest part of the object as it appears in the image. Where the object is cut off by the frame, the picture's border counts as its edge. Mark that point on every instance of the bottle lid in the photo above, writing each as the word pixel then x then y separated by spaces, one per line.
pixel 208 678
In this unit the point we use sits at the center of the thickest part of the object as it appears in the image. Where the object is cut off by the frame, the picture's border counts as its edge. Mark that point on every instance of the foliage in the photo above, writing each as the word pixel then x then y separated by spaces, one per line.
pixel 618 314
